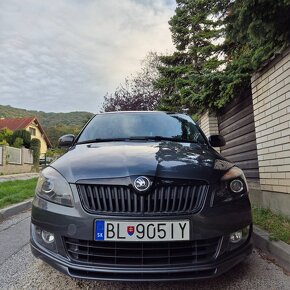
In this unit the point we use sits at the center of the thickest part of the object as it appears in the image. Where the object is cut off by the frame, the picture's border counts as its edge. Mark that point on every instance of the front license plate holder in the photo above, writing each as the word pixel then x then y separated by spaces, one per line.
pixel 143 231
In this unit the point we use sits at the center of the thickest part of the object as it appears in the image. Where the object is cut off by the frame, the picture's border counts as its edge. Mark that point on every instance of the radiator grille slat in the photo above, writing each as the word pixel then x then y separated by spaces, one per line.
pixel 90 191
pixel 110 199
pixel 97 194
pixel 164 199
pixel 103 198
pixel 123 199
pixel 142 254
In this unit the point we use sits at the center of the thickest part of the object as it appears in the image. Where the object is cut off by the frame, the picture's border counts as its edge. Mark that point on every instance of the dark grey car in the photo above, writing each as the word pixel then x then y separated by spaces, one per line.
pixel 141 196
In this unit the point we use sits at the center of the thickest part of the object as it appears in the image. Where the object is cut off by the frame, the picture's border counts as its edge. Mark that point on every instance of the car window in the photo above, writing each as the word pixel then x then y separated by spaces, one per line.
pixel 128 125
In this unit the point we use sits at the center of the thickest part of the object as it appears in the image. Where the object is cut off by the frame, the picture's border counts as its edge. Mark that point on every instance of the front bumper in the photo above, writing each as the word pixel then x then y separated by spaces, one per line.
pixel 154 274
pixel 75 223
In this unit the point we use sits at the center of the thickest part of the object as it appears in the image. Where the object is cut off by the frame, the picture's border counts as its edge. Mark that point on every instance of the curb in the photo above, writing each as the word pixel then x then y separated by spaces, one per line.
pixel 278 250
pixel 20 176
pixel 15 209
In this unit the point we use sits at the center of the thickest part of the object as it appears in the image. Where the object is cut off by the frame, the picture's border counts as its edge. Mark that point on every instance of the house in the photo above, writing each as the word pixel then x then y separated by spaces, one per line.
pixel 32 125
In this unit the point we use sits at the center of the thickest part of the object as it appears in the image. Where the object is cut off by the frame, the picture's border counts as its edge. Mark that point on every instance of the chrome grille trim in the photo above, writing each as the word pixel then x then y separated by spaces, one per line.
pixel 163 199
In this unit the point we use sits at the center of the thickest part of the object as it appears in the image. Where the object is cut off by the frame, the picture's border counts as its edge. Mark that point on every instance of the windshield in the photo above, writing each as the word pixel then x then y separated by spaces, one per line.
pixel 178 127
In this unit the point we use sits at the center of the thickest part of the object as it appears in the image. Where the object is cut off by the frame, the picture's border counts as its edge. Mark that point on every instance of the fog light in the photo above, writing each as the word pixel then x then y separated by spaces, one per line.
pixel 236 186
pixel 47 237
pixel 236 237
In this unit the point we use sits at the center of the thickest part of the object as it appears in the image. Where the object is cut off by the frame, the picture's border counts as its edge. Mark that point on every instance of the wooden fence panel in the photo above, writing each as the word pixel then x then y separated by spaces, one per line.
pixel 236 124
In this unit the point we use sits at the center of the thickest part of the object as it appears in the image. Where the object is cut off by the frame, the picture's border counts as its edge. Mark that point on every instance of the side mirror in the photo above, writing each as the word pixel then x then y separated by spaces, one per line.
pixel 66 140
pixel 217 140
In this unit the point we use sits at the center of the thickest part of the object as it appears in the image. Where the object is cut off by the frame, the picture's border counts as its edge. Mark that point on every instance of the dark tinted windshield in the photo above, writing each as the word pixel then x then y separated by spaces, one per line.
pixel 130 125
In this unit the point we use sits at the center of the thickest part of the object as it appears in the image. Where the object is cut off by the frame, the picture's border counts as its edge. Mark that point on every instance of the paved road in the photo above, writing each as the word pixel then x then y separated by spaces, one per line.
pixel 20 270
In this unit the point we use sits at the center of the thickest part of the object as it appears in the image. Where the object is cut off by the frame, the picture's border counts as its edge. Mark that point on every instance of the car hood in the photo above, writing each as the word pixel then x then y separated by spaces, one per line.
pixel 164 159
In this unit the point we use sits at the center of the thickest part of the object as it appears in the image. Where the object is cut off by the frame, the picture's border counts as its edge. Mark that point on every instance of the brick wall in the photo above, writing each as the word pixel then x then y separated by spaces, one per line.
pixel 271 101
pixel 209 124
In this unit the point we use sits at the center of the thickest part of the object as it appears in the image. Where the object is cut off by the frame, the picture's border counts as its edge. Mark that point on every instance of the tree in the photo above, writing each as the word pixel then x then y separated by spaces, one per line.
pixel 35 147
pixel 55 132
pixel 138 92
pixel 219 44
pixel 5 135
pixel 191 75
pixel 255 31
pixel 24 135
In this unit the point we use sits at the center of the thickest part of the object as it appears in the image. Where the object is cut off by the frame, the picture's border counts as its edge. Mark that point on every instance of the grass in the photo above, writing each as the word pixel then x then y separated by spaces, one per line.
pixel 16 191
pixel 276 225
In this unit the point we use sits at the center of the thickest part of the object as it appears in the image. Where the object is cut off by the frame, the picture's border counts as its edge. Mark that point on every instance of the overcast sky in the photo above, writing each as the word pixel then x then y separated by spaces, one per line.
pixel 65 55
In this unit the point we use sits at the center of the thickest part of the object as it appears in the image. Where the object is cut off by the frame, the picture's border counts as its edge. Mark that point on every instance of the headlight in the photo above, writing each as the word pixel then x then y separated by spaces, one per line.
pixel 233 185
pixel 236 180
pixel 53 187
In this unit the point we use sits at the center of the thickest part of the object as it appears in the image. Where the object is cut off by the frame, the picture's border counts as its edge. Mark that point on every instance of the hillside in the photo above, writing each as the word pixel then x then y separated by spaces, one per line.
pixel 54 124
pixel 74 119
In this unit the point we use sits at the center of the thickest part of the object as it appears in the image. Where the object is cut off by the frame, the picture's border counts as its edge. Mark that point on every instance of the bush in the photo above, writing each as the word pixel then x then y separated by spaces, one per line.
pixel 24 135
pixel 35 146
pixel 18 143
pixel 5 135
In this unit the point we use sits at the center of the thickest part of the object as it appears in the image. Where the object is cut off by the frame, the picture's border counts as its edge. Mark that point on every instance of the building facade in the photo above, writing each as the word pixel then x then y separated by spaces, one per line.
pixel 30 124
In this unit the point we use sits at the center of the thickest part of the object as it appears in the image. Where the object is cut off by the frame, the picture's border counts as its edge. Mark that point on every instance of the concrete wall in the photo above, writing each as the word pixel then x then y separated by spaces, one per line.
pixel 271 101
pixel 6 168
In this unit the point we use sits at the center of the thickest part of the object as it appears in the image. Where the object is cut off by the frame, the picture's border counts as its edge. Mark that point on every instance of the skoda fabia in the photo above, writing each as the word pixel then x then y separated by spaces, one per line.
pixel 141 196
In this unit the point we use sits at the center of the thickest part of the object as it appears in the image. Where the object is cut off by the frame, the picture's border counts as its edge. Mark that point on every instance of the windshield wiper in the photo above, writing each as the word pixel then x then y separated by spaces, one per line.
pixel 102 140
pixel 161 138
pixel 137 138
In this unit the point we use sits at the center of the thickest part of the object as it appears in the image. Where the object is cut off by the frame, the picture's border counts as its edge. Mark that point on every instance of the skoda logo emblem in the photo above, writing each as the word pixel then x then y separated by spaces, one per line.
pixel 141 183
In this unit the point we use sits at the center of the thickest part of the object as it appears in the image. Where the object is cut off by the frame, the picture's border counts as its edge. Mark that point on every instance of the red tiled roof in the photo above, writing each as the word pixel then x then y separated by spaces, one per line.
pixel 15 124
pixel 22 123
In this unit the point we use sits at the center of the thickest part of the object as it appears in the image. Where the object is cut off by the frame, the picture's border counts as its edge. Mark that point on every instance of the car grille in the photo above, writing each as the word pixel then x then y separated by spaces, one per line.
pixel 142 254
pixel 165 199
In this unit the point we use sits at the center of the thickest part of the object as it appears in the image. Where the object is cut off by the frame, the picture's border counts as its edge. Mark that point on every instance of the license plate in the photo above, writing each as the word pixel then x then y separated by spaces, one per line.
pixel 106 230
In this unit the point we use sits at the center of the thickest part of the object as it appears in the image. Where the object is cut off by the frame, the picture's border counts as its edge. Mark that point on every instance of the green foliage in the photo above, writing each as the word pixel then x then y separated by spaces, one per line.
pixel 48 119
pixel 21 134
pixel 18 142
pixel 219 44
pixel 191 76
pixel 256 29
pixel 54 152
pixel 35 146
pixel 56 132
pixel 5 135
